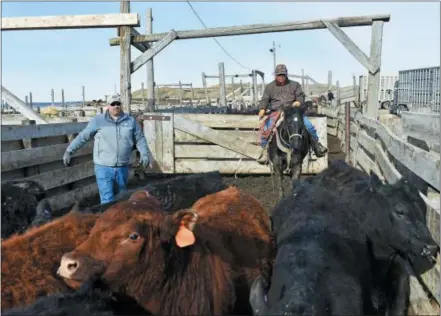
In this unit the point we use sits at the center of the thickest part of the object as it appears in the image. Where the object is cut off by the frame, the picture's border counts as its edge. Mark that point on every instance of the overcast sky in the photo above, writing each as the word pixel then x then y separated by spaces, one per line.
pixel 37 61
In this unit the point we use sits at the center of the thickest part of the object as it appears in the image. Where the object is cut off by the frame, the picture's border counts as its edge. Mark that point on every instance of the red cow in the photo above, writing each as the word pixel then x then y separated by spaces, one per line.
pixel 199 261
pixel 30 261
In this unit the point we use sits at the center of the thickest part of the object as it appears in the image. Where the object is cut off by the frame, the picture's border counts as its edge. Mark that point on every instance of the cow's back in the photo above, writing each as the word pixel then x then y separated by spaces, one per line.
pixel 30 261
pixel 245 233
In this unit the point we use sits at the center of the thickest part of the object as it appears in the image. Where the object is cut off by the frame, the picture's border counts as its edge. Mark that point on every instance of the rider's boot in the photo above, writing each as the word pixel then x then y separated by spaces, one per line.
pixel 319 149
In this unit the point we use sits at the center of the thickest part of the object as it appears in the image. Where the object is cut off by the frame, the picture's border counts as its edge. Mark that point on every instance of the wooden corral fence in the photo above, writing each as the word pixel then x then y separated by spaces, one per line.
pixel 373 146
pixel 180 143
pixel 190 143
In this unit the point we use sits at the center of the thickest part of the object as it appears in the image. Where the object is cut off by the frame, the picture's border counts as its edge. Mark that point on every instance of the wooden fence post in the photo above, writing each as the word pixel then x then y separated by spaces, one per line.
pixel 151 104
pixel 125 60
pixel 223 95
pixel 204 84
pixel 374 79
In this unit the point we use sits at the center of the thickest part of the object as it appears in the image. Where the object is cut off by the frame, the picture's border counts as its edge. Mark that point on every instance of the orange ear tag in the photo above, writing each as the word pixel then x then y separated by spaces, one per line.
pixel 184 237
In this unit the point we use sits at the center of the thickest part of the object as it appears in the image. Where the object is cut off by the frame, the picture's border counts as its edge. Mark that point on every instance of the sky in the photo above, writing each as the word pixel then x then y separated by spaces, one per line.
pixel 41 60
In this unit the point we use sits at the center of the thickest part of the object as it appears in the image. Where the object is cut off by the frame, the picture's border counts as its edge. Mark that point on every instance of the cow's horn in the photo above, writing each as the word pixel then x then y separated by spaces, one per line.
pixel 193 219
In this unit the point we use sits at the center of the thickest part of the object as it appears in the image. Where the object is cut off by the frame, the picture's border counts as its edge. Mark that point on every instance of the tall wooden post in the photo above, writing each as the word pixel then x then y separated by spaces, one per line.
pixel 374 78
pixel 223 95
pixel 84 96
pixel 192 94
pixel 125 59
pixel 142 93
pixel 30 99
pixel 255 92
pixel 337 99
pixel 53 97
pixel 181 94
pixel 356 91
pixel 26 100
pixel 149 65
pixel 329 79
pixel 204 84
pixel 62 98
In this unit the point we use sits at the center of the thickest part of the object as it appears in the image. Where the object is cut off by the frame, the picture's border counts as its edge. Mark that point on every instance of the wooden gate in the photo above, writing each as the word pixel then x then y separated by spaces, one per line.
pixel 191 143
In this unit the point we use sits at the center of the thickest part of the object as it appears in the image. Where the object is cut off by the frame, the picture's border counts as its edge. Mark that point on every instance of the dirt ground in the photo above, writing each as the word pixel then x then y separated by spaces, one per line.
pixel 261 187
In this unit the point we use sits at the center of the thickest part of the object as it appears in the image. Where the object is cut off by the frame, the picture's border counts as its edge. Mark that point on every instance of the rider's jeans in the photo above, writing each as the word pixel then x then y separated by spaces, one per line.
pixel 310 127
pixel 306 121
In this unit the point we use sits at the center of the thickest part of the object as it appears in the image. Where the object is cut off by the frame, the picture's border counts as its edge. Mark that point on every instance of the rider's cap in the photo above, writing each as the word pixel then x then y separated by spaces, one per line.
pixel 281 70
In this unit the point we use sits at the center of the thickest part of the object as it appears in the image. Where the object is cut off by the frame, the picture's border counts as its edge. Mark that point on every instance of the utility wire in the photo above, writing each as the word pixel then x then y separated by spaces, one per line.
pixel 226 52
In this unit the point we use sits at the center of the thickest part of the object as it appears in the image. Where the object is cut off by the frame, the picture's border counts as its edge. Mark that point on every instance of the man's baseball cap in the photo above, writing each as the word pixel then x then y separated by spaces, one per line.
pixel 281 70
pixel 115 99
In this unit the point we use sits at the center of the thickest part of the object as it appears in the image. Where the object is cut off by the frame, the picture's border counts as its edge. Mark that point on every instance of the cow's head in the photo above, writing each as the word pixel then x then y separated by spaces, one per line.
pixel 130 239
pixel 405 223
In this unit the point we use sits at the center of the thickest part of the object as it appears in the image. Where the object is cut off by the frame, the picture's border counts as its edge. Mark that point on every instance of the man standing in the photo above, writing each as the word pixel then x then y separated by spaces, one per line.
pixel 330 96
pixel 115 133
pixel 280 92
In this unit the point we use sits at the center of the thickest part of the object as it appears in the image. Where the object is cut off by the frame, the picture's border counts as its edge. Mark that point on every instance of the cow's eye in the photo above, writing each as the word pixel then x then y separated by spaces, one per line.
pixel 133 236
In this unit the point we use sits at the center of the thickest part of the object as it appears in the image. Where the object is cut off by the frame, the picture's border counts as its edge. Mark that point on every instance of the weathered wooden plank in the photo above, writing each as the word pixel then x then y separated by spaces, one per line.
pixel 150 53
pixel 59 177
pixel 349 44
pixel 206 152
pixel 418 299
pixel 125 83
pixel 35 156
pixel 21 107
pixel 367 142
pixel 15 132
pixel 332 131
pixel 260 28
pixel 224 120
pixel 332 122
pixel 69 22
pixel 249 136
pixel 365 162
pixel 431 279
pixel 424 164
pixel 225 166
pixel 217 137
pixel 168 148
pixel 388 169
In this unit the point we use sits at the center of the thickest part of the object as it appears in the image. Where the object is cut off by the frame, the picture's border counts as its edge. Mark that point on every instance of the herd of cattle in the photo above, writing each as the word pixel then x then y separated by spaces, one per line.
pixel 340 243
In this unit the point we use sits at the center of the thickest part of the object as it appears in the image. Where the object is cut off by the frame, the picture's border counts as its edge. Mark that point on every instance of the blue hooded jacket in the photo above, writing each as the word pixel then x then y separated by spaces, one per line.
pixel 114 140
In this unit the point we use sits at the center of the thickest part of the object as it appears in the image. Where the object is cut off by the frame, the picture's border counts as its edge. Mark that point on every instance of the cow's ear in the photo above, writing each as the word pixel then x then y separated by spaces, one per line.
pixel 180 226
pixel 374 181
pixel 139 195
pixel 185 236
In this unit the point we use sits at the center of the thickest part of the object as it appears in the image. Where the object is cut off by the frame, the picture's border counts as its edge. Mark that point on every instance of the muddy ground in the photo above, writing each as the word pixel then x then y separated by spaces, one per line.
pixel 261 187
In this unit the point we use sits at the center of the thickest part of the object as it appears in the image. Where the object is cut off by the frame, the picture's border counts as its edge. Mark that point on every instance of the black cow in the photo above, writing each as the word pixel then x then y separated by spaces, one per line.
pixel 392 217
pixel 92 299
pixel 174 194
pixel 322 265
pixel 19 203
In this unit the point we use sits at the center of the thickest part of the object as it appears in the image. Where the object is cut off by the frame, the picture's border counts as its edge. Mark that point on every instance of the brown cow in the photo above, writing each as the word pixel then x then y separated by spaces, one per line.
pixel 30 261
pixel 199 261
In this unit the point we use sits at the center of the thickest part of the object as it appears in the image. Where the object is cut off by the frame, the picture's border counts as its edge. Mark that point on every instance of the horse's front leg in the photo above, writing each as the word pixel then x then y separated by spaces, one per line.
pixel 278 172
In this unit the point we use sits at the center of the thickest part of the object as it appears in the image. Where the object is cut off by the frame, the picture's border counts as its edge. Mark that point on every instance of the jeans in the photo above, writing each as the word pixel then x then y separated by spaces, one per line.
pixel 306 121
pixel 310 128
pixel 107 177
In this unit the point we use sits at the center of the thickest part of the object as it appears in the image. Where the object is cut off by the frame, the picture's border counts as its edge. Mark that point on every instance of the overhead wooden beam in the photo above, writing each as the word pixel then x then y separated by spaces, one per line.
pixel 149 54
pixel 349 44
pixel 69 22
pixel 260 28
pixel 139 46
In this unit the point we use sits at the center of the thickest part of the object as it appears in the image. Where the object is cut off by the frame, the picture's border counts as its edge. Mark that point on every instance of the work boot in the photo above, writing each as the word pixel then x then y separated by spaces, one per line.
pixel 319 149
pixel 263 158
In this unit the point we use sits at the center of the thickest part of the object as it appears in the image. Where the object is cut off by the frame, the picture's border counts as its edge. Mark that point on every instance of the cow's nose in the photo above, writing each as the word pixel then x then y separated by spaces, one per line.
pixel 68 266
pixel 430 252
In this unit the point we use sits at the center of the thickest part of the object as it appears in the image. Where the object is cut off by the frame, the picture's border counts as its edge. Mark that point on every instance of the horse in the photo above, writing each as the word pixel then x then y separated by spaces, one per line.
pixel 289 146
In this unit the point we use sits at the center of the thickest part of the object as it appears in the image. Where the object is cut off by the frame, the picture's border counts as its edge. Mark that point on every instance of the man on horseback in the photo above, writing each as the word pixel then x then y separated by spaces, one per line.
pixel 278 93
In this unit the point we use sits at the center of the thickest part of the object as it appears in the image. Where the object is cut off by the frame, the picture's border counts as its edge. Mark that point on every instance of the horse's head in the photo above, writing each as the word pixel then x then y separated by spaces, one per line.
pixel 293 121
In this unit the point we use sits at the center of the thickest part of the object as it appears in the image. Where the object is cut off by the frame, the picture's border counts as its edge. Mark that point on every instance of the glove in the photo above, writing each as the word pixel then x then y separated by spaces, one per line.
pixel 261 113
pixel 296 104
pixel 144 161
pixel 66 158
